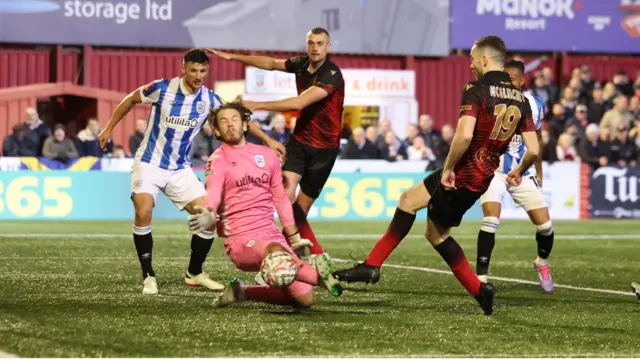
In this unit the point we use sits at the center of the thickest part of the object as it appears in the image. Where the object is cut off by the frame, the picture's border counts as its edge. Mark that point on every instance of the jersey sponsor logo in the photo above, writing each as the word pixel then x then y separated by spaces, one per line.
pixel 201 107
pixel 181 123
pixel 259 160
pixel 247 180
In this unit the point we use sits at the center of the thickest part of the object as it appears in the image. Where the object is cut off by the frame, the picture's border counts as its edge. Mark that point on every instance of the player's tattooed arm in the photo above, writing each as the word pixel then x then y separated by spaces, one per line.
pixel 262 62
pixel 278 147
pixel 461 141
pixel 532 153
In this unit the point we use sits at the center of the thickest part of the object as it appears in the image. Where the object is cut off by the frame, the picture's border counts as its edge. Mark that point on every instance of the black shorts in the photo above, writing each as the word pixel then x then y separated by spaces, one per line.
pixel 313 164
pixel 446 208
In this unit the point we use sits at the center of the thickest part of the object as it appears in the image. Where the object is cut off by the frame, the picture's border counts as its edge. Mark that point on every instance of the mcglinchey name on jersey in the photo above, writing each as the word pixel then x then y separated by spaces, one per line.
pixel 181 123
pixel 506 93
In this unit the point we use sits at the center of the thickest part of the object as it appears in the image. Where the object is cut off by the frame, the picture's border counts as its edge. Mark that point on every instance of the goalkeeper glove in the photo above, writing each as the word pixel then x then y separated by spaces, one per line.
pixel 202 220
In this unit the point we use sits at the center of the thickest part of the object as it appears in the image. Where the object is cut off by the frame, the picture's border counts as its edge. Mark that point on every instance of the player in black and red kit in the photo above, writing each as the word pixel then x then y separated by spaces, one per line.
pixel 492 111
pixel 314 147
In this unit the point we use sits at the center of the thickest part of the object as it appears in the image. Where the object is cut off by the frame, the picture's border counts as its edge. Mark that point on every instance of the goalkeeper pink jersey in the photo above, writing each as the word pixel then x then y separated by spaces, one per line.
pixel 244 184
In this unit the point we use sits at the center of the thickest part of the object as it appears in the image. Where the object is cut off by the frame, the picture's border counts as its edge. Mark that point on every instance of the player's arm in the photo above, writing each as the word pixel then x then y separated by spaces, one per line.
pixel 531 142
pixel 466 125
pixel 205 219
pixel 145 94
pixel 284 208
pixel 261 62
pixel 311 95
pixel 538 163
pixel 461 141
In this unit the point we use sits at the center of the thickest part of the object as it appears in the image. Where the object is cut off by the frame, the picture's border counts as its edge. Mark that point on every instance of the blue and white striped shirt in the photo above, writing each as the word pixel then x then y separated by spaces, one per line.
pixel 516 149
pixel 176 118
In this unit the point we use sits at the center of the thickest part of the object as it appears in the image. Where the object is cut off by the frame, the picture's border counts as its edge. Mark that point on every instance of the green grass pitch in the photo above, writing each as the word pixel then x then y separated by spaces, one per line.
pixel 74 289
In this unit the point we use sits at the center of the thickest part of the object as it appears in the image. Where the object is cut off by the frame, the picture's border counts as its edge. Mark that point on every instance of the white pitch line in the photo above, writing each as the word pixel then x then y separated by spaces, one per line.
pixel 356 236
pixel 501 279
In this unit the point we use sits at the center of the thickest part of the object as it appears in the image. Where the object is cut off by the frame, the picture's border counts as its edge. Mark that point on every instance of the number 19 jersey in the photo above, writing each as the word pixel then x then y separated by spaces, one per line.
pixel 501 111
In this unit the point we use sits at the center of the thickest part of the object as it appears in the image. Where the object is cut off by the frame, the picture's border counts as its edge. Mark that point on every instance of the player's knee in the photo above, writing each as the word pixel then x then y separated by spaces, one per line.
pixel 304 301
pixel 545 229
pixel 274 247
pixel 407 203
pixel 490 224
pixel 143 216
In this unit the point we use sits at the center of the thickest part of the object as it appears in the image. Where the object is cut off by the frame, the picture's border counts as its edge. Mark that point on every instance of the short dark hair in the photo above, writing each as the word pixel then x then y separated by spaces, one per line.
pixel 320 30
pixel 514 64
pixel 244 112
pixel 197 56
pixel 493 42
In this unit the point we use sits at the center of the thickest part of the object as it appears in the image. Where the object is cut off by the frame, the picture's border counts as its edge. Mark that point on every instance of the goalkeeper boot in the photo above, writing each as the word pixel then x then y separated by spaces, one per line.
pixel 202 280
pixel 361 272
pixel 231 294
pixel 322 264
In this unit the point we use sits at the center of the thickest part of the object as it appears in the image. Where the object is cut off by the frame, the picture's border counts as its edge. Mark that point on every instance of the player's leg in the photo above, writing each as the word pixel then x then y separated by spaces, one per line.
pixel 145 183
pixel 529 195
pixel 186 191
pixel 292 173
pixel 248 254
pixel 410 202
pixel 444 213
pixel 491 206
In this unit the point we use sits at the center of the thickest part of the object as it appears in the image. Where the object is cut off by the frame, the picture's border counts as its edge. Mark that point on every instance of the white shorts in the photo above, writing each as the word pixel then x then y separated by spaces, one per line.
pixel 180 186
pixel 527 195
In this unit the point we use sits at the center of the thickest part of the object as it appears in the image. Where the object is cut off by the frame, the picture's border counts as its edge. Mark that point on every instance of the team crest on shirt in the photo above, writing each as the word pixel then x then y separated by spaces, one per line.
pixel 201 107
pixel 137 184
pixel 259 160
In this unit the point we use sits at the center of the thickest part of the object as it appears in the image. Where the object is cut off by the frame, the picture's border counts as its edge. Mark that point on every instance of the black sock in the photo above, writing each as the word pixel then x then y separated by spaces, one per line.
pixel 144 247
pixel 486 241
pixel 545 244
pixel 199 250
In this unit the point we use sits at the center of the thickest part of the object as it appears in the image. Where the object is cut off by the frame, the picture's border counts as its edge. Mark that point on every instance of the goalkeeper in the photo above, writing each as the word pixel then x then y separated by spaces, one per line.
pixel 243 184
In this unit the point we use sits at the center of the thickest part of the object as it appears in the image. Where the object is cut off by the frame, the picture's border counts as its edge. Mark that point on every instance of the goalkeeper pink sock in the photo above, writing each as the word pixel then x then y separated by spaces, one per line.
pixel 266 294
pixel 307 274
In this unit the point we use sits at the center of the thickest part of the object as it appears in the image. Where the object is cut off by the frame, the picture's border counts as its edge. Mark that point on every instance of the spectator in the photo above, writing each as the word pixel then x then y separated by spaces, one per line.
pixel 431 136
pixel 623 151
pixel 617 116
pixel 393 150
pixel 58 146
pixel 419 152
pixel 579 121
pixel 558 121
pixel 118 152
pixel 279 131
pixel 204 144
pixel 371 133
pixel 17 144
pixel 549 153
pixel 609 94
pixel 383 128
pixel 359 147
pixel 596 106
pixel 441 150
pixel 539 89
pixel 87 140
pixel 412 132
pixel 550 83
pixel 38 131
pixel 605 135
pixel 568 101
pixel 636 88
pixel 565 149
pixel 622 83
pixel 346 126
pixel 593 150
pixel 634 108
pixel 587 84
pixel 136 139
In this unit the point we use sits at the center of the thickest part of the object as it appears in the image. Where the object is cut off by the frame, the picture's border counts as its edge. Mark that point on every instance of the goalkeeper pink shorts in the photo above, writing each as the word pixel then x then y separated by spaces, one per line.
pixel 247 254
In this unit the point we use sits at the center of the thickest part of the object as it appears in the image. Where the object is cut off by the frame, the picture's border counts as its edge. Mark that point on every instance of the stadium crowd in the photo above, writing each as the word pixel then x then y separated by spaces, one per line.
pixel 597 123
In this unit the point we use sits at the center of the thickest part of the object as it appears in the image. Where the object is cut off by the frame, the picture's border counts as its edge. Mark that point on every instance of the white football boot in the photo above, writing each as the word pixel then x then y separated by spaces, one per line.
pixel 202 280
pixel 150 285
